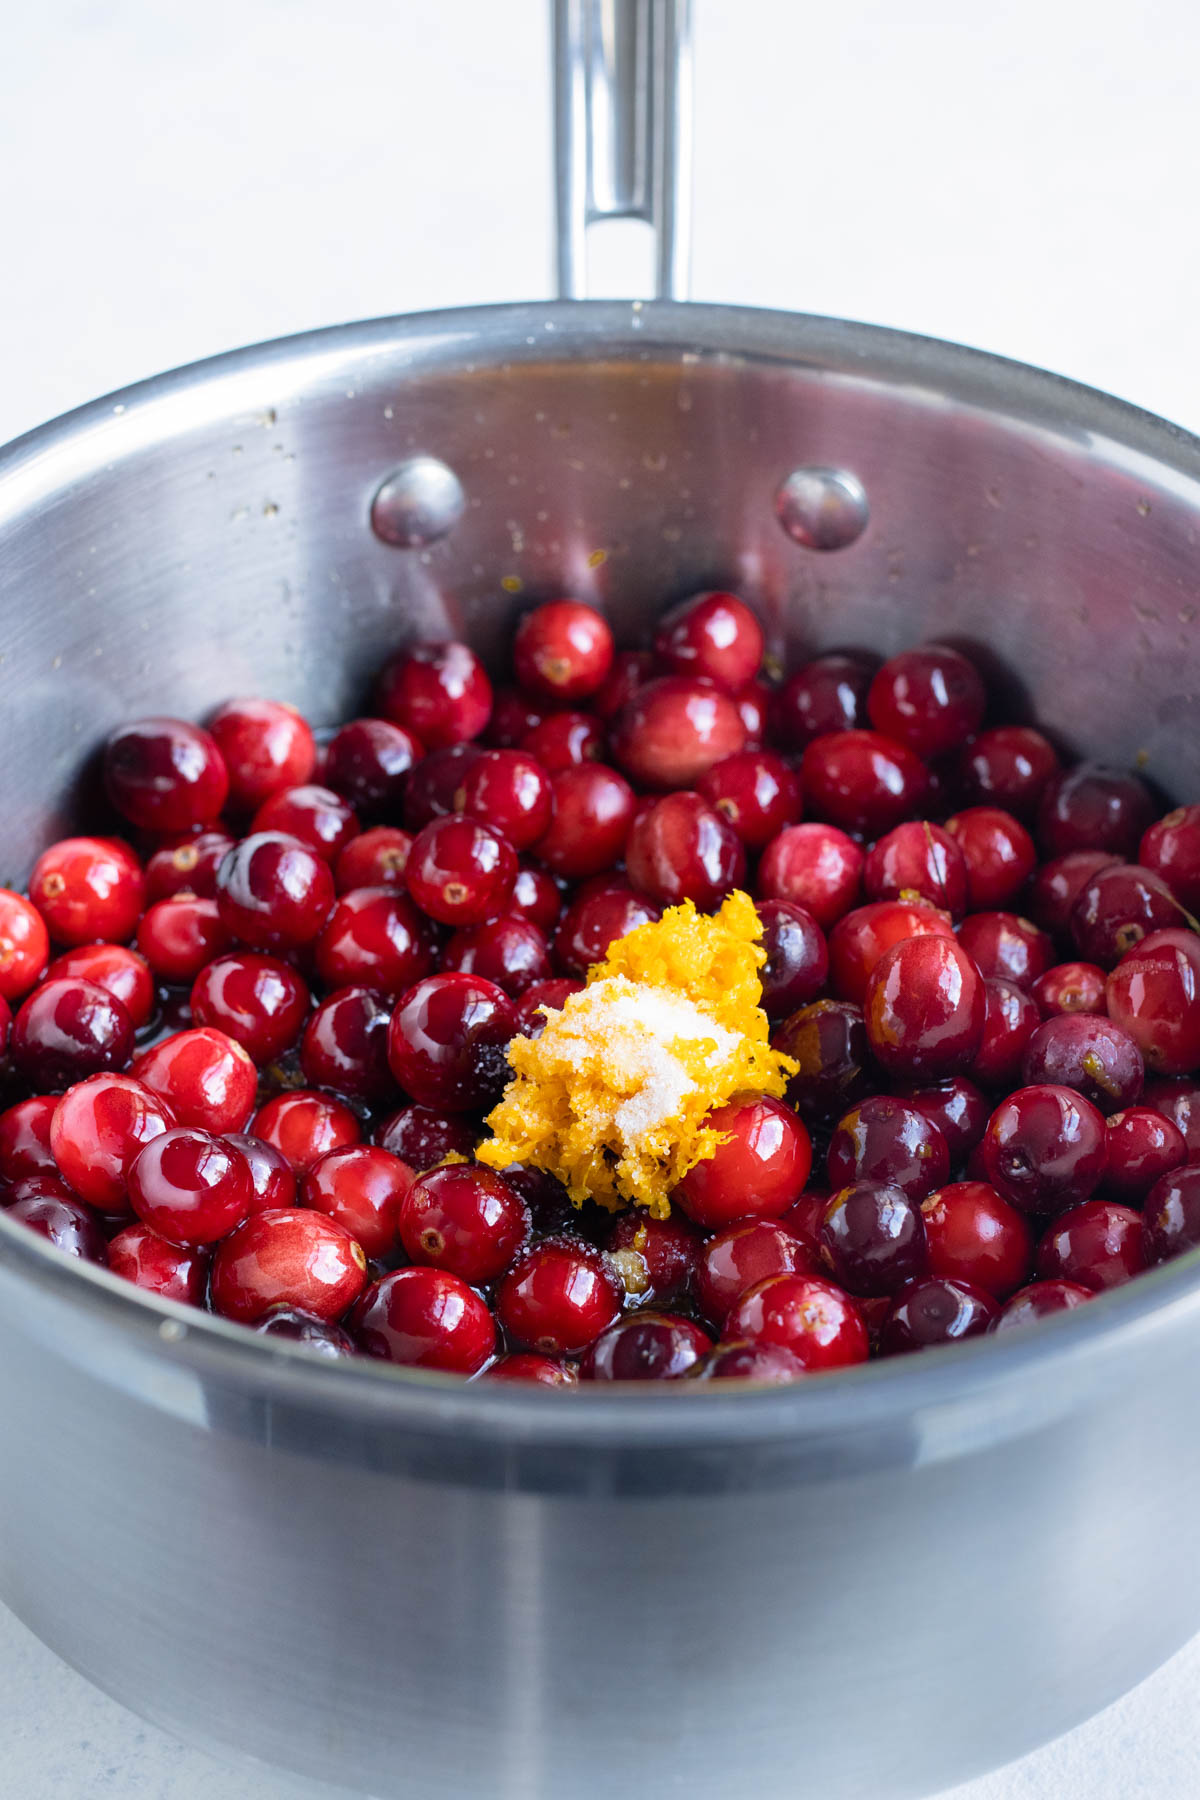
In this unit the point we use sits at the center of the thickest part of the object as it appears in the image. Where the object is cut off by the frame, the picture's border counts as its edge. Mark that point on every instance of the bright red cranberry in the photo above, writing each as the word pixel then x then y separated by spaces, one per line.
pixel 513 714
pixel 1143 1146
pixel 756 792
pixel 631 669
pixel 1004 947
pixel 272 1178
pixel 178 936
pixel 917 860
pixel 273 892
pixel 367 762
pixel 1154 995
pixel 756 1173
pixel 863 781
pixel 741 1256
pixel 754 704
pixel 1091 807
pixel 439 692
pixel 1089 1054
pixel 67 1030
pixel 88 888
pixel 873 1238
pixel 543 996
pixel 1171 1216
pixel 376 858
pixel 165 775
pixel 465 1219
pixel 536 897
pixel 24 945
pixel 187 866
pixel 460 871
pixel 743 1361
pixel 797 957
pixel 593 810
pixel 1044 1149
pixel 1010 1019
pixel 363 1188
pixel 814 866
pixel 647 1346
pixel 266 747
pixel 557 1297
pixel 427 1319
pixel 713 635
pixel 421 1137
pixel 304 1126
pixel 1009 767
pixel 563 741
pixel 998 853
pixel 507 791
pixel 68 1224
pixel 816 1321
pixel 1178 1101
pixel 303 1328
pixel 448 1039
pixel 936 1311
pixel 98 1127
pixel 829 1042
pixel 205 1077
pixel 525 1365
pixel 975 1236
pixel 190 1187
pixel 1039 1301
pixel 345 1046
pixel 509 951
pixel 596 918
pixel 859 941
pixel 120 972
pixel 25 1138
pixel 924 1009
pixel 1171 848
pixel 883 1140
pixel 1076 987
pixel 290 1257
pixel 1097 1245
pixel 172 1271
pixel 680 848
pixel 930 698
pixel 1119 907
pixel 673 730
pixel 957 1107
pixel 374 938
pixel 258 1001
pixel 1058 884
pixel 435 783
pixel 562 651
pixel 824 696
pixel 665 1251
pixel 314 816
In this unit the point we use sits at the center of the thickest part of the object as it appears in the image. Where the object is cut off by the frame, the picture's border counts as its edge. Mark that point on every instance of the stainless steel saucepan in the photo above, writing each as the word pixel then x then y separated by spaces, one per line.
pixel 876 1583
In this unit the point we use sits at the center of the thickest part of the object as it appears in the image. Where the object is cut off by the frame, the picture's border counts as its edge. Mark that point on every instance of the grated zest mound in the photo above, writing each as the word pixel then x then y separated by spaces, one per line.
pixel 614 1095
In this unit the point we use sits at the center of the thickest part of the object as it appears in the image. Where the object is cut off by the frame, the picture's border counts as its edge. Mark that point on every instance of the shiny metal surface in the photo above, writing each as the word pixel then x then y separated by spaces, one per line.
pixel 418 504
pixel 878 1583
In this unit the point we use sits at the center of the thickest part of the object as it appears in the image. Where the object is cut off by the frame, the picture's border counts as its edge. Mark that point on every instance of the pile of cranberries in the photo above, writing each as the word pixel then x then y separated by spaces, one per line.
pixel 251 1041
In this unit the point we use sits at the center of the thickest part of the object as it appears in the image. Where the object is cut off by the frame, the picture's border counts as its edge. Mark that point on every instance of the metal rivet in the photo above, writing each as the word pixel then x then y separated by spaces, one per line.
pixel 823 509
pixel 418 503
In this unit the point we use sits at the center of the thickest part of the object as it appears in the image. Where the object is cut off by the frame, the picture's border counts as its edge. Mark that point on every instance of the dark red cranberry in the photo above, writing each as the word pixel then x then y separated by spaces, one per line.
pixel 439 692
pixel 376 858
pixel 98 1127
pixel 435 783
pixel 957 1107
pixel 68 1224
pixel 564 740
pixel 1118 908
pixel 266 746
pixel 924 1009
pixel 860 940
pixel 647 1346
pixel 291 1257
pixel 597 918
pixel 25 1138
pixel 1004 947
pixel 930 698
pixel 422 1137
pixel 1009 767
pixel 509 951
pixel 543 996
pixel 917 860
pixel 883 1140
pixel 178 936
pixel 513 714
pixel 1154 995
pixel 1171 848
pixel 654 1257
pixel 1089 1054
pixel 797 962
pixel 741 1256
pixel 1076 987
pixel 754 704
pixel 863 781
pixel 829 1042
pixel 187 866
pixel 873 1238
pixel 120 972
pixel 562 651
pixel 24 945
pixel 426 1319
pixel 535 897
pixel 1178 1101
pixel 1171 1216
pixel 1044 1149
pixel 509 793
pixel 374 938
pixel 630 670
pixel 305 1126
pixel 305 1328
pixel 367 763
pixel 998 853
pixel 67 1030
pixel 448 1039
pixel 680 848
pixel 1142 1147
pixel 974 1235
pixel 552 1212
pixel 88 888
pixel 593 810
pixel 314 816
pixel 205 1077
pixel 258 1001
pixel 274 893
pixel 272 1178
pixel 1010 1019
pixel 524 1365
pixel 190 1187
pixel 172 1271
pixel 1090 807
pixel 804 1216
pixel 935 1312
pixel 1097 1245
pixel 713 635
pixel 165 775
pixel 754 791
pixel 557 1297
pixel 755 1173
pixel 1039 1301
pixel 466 1219
pixel 345 1046
pixel 824 696
pixel 363 1188
pixel 816 1321
pixel 814 866
pixel 1058 884
pixel 673 730
pixel 768 1363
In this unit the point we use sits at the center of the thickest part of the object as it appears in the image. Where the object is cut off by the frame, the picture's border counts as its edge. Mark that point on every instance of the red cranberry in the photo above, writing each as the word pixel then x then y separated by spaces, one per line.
pixel 272 1177
pixel 756 792
pixel 666 1251
pixel 67 1030
pixel 1119 907
pixel 1038 1301
pixel 345 1046
pixel 178 936
pixel 1058 884
pixel 998 853
pixel 755 1173
pixel 1044 1149
pixel 1142 1147
pixel 1171 848
pixel 460 871
pixel 188 866
pixel 88 888
pixel 120 972
pixel 376 858
pixel 1009 767
pixel 741 1256
pixel 673 730
pixel 68 1224
pixel 25 1138
pixel 1010 1019
pixel 426 1319
pixel 768 1363
pixel 1090 807
pixel 304 1126
pixel 797 957
pixel 1171 1216
pixel 509 951
pixel 814 866
pixel 448 1039
pixel 974 1235
pixel 557 1297
pixel 1178 1101
pixel 935 1312
pixel 525 1365
pixel 1004 947
pixel 1076 987
pixel 863 781
pixel 165 775
pixel 266 747
pixel 274 893
pixel 596 919
pixel 924 1009
pixel 363 1188
pixel 930 698
pixel 754 704
pixel 367 763
pixel 818 1323
pixel 630 670
pixel 593 810
pixel 509 794
pixel 374 938
pixel 314 816
pixel 647 1346
pixel 829 1042
pixel 465 1219
pixel 824 696
pixel 435 783
pixel 536 898
pixel 543 996
pixel 24 945
pixel 205 1077
pixel 98 1127
pixel 859 941
pixel 917 860
pixel 713 635
pixel 562 651
pixel 1154 995
pixel 1089 1054
pixel 258 1001
pixel 290 1257
pixel 1097 1245
pixel 957 1107
pixel 421 1137
pixel 513 714
pixel 302 1328
pixel 439 692
pixel 563 741
pixel 190 1187
pixel 172 1271
pixel 680 848
pixel 873 1238
pixel 882 1140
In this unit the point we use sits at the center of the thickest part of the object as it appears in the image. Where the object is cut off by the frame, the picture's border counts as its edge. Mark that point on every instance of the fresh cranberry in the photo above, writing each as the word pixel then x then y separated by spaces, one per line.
pixel 363 1188
pixel 165 775
pixel 593 810
pixel 1076 987
pixel 674 730
pixel 596 918
pixel 631 669
pixel 172 1271
pixel 525 1365
pixel 862 781
pixel 930 698
pixel 957 1107
pixel 713 635
pixel 67 1030
pixel 873 1238
pixel 655 1257
pixel 465 1219
pixel 797 957
pixel 345 1046
pixel 1008 767
pixel 1119 907
pixel 1178 1101
pixel 273 892
pixel 513 714
pixel 374 938
pixel 367 763
pixel 290 1257
pixel 562 651
pixel 743 1361
pixel 924 1009
pixel 564 740
pixel 972 1234
pixel 303 1328
pixel 756 792
pixel 1004 947
pixel 917 860
pixel 24 945
pixel 448 1039
pixel 1058 884
pixel 557 1297
pixel 543 996
pixel 272 1177
pixel 509 951
pixel 1171 1216
pixel 461 871
pixel 1154 995
pixel 756 1172
pixel 187 866
pixel 313 816
pixel 190 1187
pixel 120 972
pixel 998 853
pixel 88 888
pixel 859 941
pixel 814 866
pixel 178 936
pixel 1142 1147
pixel 741 1256
pixel 421 1137
pixel 25 1138
pixel 1010 1019
pixel 536 897
pixel 375 858
pixel 510 794
pixel 680 848
pixel 68 1224
pixel 1044 1149
pixel 435 783
pixel 1097 1245
pixel 304 1126
pixel 1039 1301
pixel 205 1077
pixel 1171 848
pixel 754 704
pixel 427 1319
pixel 816 1321
pixel 824 696
pixel 829 1042
pixel 266 747
pixel 98 1127
pixel 883 1140
pixel 1089 1054
pixel 936 1311
pixel 258 1001
pixel 1090 807
pixel 647 1346
pixel 439 692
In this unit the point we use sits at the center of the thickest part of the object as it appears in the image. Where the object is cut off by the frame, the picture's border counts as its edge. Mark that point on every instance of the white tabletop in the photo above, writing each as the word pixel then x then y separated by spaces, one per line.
pixel 177 179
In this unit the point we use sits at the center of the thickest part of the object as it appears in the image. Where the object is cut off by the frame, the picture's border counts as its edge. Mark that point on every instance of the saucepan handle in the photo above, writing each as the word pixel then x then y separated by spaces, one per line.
pixel 622 131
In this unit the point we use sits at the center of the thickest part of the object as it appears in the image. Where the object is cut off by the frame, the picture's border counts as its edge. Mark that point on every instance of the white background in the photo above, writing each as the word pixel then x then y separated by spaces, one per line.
pixel 178 179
